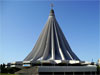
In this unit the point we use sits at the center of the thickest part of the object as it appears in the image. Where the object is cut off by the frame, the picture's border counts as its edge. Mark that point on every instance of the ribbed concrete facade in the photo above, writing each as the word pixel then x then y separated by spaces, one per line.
pixel 51 44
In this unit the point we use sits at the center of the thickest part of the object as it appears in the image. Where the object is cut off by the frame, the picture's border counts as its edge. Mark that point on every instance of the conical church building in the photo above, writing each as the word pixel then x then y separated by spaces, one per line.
pixel 51 44
pixel 52 55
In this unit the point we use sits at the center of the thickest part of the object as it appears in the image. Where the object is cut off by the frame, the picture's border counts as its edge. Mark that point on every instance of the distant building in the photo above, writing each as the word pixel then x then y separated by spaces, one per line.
pixel 98 61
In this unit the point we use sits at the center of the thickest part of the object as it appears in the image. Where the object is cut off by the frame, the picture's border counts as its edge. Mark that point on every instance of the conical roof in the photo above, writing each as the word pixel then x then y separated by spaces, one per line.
pixel 51 44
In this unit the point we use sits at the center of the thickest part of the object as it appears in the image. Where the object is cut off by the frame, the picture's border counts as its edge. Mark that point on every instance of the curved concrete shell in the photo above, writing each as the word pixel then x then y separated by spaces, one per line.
pixel 51 44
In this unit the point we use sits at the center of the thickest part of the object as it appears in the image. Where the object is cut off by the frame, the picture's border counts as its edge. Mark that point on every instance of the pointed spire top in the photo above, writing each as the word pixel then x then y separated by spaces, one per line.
pixel 52 11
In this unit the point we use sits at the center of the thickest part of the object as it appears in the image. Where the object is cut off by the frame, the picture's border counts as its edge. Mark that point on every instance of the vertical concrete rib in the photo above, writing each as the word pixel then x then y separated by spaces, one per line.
pixel 65 53
pixel 52 42
pixel 48 47
pixel 58 43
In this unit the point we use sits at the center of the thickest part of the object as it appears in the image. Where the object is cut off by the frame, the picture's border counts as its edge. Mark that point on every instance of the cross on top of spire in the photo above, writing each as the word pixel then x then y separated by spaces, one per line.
pixel 52 5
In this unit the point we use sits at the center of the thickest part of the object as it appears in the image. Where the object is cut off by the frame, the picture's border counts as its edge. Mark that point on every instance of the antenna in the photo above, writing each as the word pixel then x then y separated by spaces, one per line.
pixel 51 5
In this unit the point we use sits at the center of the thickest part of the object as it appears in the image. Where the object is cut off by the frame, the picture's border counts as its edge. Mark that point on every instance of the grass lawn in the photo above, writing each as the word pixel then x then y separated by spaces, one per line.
pixel 6 74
